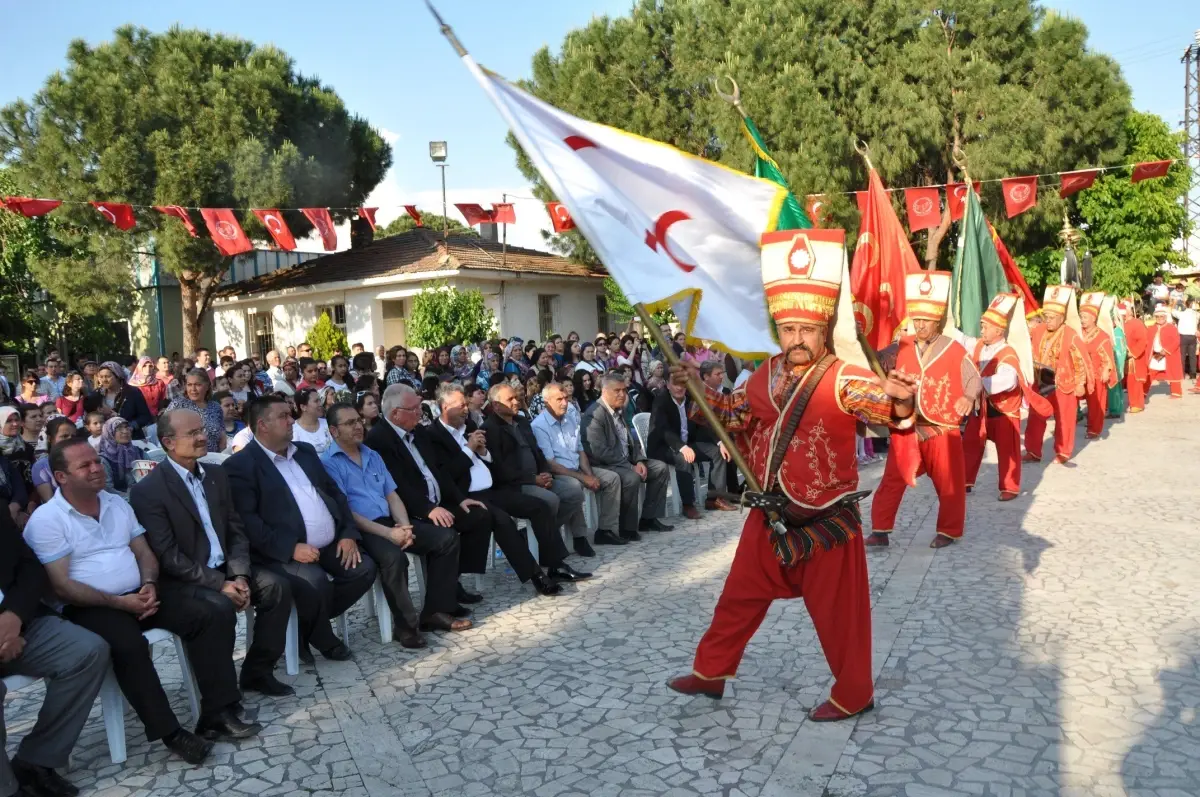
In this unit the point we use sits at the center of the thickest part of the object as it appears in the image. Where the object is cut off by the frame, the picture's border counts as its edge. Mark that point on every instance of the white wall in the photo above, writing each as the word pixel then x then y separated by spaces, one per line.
pixel 515 303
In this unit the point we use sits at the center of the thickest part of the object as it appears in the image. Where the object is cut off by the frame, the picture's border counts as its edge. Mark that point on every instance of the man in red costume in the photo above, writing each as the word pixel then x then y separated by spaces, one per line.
pixel 1063 375
pixel 1137 362
pixel 820 388
pixel 1165 365
pixel 1101 359
pixel 948 386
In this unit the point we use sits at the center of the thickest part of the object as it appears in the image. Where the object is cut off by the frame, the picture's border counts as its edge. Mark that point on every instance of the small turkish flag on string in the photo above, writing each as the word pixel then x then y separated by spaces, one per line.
pixel 119 213
pixel 860 199
pixel 924 208
pixel 369 215
pixel 1073 182
pixel 272 219
pixel 817 209
pixel 503 213
pixel 181 214
pixel 226 233
pixel 414 213
pixel 321 219
pixel 1020 194
pixel 560 217
pixel 474 214
pixel 956 198
pixel 1150 170
pixel 29 208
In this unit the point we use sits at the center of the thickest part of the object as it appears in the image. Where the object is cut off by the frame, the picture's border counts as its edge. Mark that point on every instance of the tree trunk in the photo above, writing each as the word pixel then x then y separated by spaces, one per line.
pixel 195 296
pixel 935 239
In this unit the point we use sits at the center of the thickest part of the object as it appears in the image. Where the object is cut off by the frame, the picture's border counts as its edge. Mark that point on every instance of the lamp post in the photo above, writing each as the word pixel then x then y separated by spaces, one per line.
pixel 437 153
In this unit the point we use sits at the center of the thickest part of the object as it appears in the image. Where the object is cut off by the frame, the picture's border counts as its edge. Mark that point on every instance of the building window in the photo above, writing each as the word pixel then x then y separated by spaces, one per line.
pixel 547 303
pixel 336 312
pixel 261 327
pixel 602 314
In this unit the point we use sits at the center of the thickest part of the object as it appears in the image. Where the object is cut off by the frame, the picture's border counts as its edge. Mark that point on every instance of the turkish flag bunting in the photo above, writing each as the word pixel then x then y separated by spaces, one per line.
pixel 1150 170
pixel 503 213
pixel 860 199
pixel 30 208
pixel 924 211
pixel 415 214
pixel 1073 182
pixel 956 198
pixel 321 219
pixel 474 214
pixel 560 217
pixel 119 213
pixel 226 233
pixel 181 214
pixel 272 219
pixel 369 215
pixel 1020 194
pixel 882 257
pixel 817 209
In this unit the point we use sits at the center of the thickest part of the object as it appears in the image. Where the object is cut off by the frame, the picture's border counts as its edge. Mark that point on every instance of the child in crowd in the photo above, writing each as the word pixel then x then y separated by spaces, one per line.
pixel 94 423
pixel 230 412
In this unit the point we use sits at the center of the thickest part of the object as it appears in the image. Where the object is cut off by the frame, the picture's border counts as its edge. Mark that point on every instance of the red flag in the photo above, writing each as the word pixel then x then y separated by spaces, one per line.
pixel 882 257
pixel 119 213
pixel 181 214
pixel 415 214
pixel 369 215
pixel 474 214
pixel 1015 278
pixel 1020 194
pixel 924 208
pixel 503 213
pixel 321 219
pixel 272 219
pixel 1150 170
pixel 956 198
pixel 30 208
pixel 816 207
pixel 1073 182
pixel 226 233
pixel 860 199
pixel 560 217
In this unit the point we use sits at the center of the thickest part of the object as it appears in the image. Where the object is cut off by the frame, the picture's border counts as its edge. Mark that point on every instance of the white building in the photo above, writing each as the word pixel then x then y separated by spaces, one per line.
pixel 368 292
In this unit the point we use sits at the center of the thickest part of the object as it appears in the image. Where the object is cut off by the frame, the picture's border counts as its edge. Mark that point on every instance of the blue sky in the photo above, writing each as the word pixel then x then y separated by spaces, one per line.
pixel 390 65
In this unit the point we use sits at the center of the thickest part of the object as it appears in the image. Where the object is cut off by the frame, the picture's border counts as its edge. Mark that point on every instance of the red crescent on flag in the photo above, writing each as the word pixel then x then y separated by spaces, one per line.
pixel 578 142
pixel 659 237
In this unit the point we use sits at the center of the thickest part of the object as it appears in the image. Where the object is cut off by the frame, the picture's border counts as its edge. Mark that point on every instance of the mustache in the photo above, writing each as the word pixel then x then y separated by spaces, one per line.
pixel 799 347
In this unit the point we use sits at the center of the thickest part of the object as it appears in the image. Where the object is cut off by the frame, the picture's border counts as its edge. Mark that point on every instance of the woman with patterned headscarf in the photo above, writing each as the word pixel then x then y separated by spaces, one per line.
pixel 514 353
pixel 154 390
pixel 117 454
pixel 460 361
pixel 121 399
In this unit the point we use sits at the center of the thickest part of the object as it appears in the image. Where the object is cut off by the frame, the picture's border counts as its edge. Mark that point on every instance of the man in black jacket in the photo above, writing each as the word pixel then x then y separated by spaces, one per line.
pixel 672 440
pixel 35 641
pixel 299 525
pixel 193 529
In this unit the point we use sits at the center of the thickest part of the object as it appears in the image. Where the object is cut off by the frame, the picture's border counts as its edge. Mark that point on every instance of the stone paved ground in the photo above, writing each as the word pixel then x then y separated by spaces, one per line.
pixel 1053 652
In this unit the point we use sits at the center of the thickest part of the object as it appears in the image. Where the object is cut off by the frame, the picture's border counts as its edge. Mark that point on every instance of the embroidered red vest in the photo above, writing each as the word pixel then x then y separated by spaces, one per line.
pixel 941 379
pixel 1056 353
pixel 820 465
pixel 1100 351
pixel 1009 402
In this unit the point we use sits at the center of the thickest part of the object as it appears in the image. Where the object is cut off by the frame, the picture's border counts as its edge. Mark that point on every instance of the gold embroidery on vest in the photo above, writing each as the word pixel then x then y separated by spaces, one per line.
pixel 818 449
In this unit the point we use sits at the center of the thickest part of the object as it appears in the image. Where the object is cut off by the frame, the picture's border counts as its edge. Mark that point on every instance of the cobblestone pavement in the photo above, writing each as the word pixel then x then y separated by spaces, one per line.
pixel 1054 651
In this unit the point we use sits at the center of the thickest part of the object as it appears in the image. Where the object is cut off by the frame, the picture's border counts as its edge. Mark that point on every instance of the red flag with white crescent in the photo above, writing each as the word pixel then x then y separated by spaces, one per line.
pixel 323 222
pixel 119 213
pixel 1073 182
pixel 1150 170
pixel 503 213
pixel 181 214
pixel 30 208
pixel 882 258
pixel 860 199
pixel 414 214
pixel 226 233
pixel 272 219
pixel 560 217
pixel 956 198
pixel 369 215
pixel 474 214
pixel 924 208
pixel 1020 194
pixel 817 208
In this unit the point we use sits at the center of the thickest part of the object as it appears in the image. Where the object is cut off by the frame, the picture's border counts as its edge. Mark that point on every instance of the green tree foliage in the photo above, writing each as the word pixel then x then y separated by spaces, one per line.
pixel 326 338
pixel 444 316
pixel 431 221
pixel 1012 85
pixel 620 311
pixel 182 118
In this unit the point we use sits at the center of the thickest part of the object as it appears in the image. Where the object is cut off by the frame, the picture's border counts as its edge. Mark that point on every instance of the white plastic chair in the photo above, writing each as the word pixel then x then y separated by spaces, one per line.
pixel 377 600
pixel 291 644
pixel 112 702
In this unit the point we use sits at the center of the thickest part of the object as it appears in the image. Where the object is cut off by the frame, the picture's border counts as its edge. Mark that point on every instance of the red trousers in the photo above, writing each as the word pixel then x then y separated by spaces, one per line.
pixel 942 459
pixel 1136 390
pixel 1097 408
pixel 1161 376
pixel 836 592
pixel 1066 410
pixel 1005 434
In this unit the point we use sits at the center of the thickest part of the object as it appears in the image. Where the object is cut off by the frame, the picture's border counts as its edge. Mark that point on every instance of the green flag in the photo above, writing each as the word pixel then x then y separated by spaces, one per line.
pixel 792 215
pixel 978 273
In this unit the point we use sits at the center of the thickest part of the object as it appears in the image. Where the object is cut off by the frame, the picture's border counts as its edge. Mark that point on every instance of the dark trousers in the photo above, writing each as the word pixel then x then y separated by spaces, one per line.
pixel 685 476
pixel 439 548
pixel 1187 351
pixel 476 526
pixel 542 517
pixel 271 597
pixel 205 620
pixel 318 598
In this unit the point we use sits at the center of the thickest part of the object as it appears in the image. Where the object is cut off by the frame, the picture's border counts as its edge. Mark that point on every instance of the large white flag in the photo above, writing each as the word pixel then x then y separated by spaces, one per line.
pixel 671 228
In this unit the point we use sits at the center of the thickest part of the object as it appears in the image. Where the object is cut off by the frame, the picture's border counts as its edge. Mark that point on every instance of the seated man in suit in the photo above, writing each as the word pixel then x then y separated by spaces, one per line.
pixel 191 525
pixel 102 568
pixel 668 442
pixel 299 525
pixel 388 533
pixel 609 444
pixel 518 468
pixel 434 486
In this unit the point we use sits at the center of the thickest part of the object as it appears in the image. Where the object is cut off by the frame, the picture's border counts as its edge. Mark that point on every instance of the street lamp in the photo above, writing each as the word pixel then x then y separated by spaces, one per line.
pixel 437 153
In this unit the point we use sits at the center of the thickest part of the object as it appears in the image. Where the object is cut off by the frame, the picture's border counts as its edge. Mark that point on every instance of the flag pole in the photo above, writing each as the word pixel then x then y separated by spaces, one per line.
pixel 864 151
pixel 697 391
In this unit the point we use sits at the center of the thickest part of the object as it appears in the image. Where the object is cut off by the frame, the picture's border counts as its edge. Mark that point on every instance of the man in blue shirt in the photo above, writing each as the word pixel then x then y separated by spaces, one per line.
pixel 388 533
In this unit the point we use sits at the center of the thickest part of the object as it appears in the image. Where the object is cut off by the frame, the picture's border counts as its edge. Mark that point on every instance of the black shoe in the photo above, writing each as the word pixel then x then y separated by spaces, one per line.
pixel 564 572
pixel 226 725
pixel 41 781
pixel 584 548
pixel 267 684
pixel 606 537
pixel 306 655
pixel 468 597
pixel 338 652
pixel 631 536
pixel 460 611
pixel 411 639
pixel 188 746
pixel 544 585
pixel 654 524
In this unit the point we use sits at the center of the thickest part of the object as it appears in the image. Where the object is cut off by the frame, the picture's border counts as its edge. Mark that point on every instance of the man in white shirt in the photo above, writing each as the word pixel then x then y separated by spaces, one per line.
pixel 100 564
pixel 1186 321
pixel 274 366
